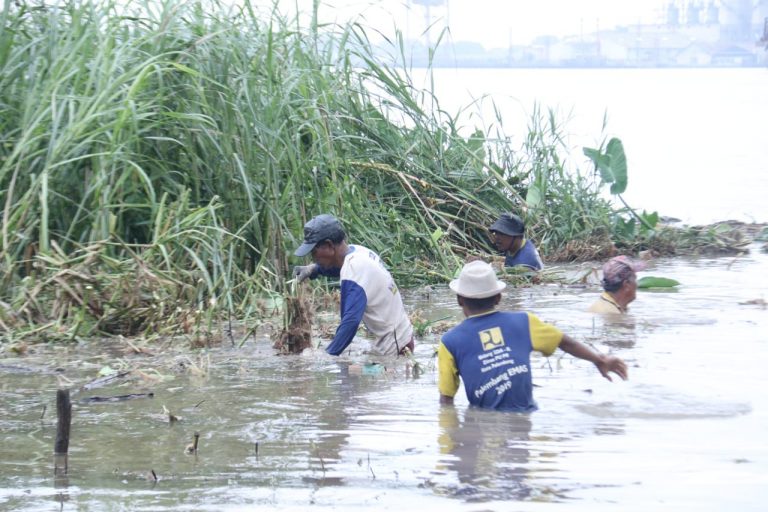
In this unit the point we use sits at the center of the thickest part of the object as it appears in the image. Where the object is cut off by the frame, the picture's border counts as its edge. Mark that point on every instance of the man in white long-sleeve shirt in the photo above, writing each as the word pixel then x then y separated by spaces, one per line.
pixel 368 292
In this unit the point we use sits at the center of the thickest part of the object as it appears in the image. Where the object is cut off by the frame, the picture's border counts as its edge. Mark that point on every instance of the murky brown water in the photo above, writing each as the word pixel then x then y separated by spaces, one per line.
pixel 687 432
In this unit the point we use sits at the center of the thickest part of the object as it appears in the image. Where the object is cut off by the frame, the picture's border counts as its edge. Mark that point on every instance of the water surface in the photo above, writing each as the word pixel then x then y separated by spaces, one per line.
pixel 686 432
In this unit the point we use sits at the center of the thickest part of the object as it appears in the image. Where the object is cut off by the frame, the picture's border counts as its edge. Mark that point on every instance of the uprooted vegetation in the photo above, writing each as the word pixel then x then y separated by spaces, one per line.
pixel 162 185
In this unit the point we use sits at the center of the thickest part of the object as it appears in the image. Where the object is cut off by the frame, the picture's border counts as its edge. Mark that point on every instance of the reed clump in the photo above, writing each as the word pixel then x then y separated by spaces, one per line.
pixel 296 334
pixel 158 161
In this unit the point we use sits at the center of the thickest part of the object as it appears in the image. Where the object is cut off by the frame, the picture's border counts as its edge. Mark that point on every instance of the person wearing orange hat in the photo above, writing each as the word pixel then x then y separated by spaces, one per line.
pixel 490 351
pixel 619 284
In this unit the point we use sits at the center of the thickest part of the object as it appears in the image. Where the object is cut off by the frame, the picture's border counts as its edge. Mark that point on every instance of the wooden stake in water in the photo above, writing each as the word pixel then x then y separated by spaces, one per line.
pixel 192 447
pixel 61 447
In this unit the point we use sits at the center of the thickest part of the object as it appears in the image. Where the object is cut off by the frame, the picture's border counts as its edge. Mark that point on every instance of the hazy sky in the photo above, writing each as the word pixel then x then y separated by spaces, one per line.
pixel 494 23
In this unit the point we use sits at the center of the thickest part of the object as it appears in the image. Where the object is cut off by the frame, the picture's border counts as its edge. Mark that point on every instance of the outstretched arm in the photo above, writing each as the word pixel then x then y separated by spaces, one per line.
pixel 353 303
pixel 605 363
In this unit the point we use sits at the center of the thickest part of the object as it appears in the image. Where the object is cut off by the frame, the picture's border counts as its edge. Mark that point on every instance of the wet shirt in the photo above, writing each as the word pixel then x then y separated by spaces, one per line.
pixel 606 304
pixel 527 256
pixel 491 353
pixel 369 295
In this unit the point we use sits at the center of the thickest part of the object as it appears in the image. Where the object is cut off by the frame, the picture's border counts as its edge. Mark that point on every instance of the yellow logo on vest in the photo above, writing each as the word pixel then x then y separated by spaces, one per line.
pixel 491 338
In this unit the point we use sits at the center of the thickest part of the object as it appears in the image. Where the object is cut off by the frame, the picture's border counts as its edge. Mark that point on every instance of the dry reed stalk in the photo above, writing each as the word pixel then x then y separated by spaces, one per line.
pixel 297 331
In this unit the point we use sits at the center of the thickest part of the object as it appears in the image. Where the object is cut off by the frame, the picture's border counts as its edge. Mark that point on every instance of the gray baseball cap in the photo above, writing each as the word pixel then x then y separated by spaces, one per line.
pixel 320 228
pixel 509 224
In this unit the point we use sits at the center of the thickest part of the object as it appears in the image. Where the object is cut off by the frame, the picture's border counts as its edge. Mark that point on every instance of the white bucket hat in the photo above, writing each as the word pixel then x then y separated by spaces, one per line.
pixel 477 280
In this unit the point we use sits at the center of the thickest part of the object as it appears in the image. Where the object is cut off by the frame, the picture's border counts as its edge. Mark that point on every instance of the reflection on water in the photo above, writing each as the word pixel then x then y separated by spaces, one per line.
pixel 332 433
pixel 489 453
pixel 657 402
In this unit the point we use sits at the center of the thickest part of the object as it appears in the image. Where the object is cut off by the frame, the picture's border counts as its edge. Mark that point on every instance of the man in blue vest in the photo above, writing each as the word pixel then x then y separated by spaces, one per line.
pixel 490 351
pixel 509 238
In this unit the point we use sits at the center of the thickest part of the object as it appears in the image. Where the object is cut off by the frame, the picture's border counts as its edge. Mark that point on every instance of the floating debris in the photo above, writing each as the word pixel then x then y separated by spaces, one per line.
pixel 755 302
pixel 117 398
pixel 191 448
pixel 104 380
pixel 172 418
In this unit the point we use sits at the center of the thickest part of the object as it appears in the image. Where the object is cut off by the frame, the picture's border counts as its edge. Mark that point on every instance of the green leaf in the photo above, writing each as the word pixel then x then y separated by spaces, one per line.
pixel 618 165
pixel 592 153
pixel 651 218
pixel 656 282
pixel 476 143
pixel 612 164
pixel 106 370
pixel 626 229
pixel 436 235
pixel 602 162
pixel 533 196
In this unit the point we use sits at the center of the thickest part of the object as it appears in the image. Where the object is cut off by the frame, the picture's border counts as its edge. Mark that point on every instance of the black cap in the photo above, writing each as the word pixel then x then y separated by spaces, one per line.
pixel 322 227
pixel 509 224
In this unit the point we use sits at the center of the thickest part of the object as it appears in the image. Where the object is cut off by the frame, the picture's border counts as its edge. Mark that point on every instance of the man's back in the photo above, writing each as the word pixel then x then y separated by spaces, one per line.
pixel 527 256
pixel 384 315
pixel 491 353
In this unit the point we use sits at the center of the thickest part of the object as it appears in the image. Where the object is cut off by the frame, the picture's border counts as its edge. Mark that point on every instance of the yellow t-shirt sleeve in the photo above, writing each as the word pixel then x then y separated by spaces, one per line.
pixel 545 338
pixel 447 373
pixel 605 304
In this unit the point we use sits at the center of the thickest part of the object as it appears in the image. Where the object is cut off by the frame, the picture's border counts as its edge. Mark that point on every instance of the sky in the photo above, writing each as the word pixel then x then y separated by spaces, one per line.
pixel 493 23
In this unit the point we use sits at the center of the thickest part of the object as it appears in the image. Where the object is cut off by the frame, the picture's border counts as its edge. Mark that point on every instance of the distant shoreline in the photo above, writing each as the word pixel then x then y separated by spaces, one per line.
pixel 464 65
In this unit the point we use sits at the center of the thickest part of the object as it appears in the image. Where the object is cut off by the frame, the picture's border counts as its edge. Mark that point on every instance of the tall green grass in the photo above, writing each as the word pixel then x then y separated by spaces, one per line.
pixel 192 140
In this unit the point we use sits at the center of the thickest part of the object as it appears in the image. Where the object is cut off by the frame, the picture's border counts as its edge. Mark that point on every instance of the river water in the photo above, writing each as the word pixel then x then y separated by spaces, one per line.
pixel 686 432
pixel 694 138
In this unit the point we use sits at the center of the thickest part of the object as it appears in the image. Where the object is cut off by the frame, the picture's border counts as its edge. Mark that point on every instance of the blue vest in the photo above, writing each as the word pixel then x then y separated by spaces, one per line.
pixel 492 353
pixel 527 255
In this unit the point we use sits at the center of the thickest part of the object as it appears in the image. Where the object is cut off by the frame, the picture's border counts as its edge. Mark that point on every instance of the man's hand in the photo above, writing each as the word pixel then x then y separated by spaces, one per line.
pixel 605 364
pixel 612 364
pixel 302 272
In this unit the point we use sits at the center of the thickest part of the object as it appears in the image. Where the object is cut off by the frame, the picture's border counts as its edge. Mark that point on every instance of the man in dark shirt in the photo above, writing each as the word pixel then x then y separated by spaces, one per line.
pixel 509 238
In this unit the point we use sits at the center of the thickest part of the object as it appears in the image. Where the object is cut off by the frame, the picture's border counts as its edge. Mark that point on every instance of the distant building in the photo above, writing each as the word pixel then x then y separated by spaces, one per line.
pixel 695 55
pixel 733 56
pixel 692 33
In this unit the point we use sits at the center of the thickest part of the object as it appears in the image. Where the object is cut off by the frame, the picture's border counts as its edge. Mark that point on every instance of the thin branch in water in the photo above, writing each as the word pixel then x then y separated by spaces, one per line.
pixel 317 454
pixel 229 329
pixel 192 447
